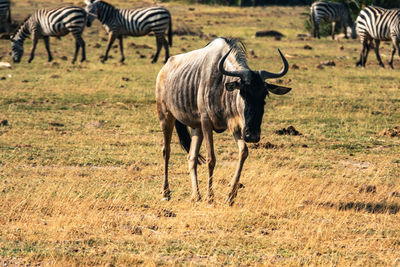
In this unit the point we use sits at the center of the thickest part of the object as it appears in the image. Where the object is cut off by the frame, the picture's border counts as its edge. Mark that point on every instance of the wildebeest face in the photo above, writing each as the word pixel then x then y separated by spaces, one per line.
pixel 253 90
pixel 17 50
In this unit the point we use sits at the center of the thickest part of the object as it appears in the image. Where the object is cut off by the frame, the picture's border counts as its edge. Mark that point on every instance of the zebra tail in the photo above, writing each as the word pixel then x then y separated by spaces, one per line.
pixel 170 33
pixel 185 139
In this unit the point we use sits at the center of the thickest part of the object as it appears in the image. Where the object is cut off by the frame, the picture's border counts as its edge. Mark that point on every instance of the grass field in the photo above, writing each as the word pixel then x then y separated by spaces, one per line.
pixel 81 164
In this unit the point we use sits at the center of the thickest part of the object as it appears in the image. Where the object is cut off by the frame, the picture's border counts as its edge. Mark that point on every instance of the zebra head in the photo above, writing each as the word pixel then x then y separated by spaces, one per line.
pixel 253 91
pixel 17 50
pixel 91 10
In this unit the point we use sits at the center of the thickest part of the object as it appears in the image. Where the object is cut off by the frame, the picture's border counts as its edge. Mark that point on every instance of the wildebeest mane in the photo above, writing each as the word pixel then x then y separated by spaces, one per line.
pixel 20 25
pixel 238 49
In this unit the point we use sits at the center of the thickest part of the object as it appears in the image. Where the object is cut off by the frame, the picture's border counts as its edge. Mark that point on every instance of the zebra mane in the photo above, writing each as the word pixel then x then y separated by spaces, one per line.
pixel 20 26
pixel 238 49
pixel 106 4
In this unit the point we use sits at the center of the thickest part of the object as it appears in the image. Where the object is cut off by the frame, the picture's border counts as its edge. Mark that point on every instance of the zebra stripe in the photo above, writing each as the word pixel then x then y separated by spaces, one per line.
pixel 5 14
pixel 378 24
pixel 51 22
pixel 331 12
pixel 138 22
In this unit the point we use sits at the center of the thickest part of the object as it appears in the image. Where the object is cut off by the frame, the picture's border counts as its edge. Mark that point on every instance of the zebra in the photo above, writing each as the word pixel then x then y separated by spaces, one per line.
pixel 378 24
pixel 50 22
pixel 139 22
pixel 5 14
pixel 331 12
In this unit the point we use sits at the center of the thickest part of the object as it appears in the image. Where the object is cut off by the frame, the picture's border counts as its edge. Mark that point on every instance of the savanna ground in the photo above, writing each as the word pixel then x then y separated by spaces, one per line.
pixel 81 164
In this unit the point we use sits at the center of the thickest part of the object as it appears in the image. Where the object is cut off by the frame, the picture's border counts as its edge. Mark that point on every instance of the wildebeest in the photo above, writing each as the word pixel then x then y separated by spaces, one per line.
pixel 212 89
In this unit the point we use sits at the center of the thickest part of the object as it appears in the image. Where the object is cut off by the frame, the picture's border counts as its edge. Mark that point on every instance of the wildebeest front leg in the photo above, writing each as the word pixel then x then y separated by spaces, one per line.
pixel 208 138
pixel 167 126
pixel 47 45
pixel 35 39
pixel 243 153
pixel 111 38
pixel 197 138
pixel 121 48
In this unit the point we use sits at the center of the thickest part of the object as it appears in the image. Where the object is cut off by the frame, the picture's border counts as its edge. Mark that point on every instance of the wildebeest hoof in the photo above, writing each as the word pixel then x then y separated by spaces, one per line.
pixel 167 198
pixel 83 59
pixel 196 198
pixel 30 60
pixel 122 60
pixel 381 65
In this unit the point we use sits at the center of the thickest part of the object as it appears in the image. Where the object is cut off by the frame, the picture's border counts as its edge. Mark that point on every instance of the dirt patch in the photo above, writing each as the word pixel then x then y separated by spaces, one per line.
pixel 329 63
pixel 56 124
pixel 288 131
pixel 268 33
pixel 3 122
pixel 187 30
pixel 140 46
pixel 368 189
pixel 307 47
pixel 264 145
pixel 166 213
pixel 391 132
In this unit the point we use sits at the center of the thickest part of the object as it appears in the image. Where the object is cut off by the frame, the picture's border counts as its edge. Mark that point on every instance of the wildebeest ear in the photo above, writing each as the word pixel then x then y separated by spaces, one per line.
pixel 278 90
pixel 232 86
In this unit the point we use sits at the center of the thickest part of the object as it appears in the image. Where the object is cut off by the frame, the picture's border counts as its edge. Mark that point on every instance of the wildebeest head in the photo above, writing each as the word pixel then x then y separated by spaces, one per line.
pixel 91 10
pixel 253 90
pixel 17 50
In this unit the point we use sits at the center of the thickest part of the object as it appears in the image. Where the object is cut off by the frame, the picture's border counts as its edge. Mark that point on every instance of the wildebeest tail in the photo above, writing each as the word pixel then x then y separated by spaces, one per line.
pixel 185 139
pixel 170 32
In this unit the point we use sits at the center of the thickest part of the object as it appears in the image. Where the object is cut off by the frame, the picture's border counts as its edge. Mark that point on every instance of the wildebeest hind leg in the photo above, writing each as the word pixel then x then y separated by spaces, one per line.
pixel 243 153
pixel 197 138
pixel 167 126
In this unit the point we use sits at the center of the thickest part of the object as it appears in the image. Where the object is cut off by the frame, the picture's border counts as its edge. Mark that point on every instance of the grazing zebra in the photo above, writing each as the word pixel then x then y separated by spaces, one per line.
pixel 139 22
pixel 331 12
pixel 50 22
pixel 379 24
pixel 5 14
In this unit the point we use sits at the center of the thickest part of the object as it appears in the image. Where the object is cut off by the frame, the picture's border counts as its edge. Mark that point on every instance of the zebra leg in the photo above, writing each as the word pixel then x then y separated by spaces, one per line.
pixel 166 49
pixel 167 126
pixel 111 38
pixel 391 58
pixel 316 30
pixel 366 51
pixel 345 30
pixel 159 42
pixel 197 138
pixel 34 44
pixel 83 49
pixel 77 45
pixel 395 42
pixel 333 30
pixel 121 47
pixel 378 57
pixel 47 45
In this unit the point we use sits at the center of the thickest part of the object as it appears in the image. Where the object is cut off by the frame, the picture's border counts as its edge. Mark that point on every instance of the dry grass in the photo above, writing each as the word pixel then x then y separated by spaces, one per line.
pixel 81 164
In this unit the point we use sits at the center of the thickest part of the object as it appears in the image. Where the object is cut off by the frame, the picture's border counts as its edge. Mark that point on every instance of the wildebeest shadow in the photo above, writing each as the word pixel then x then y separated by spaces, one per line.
pixel 381 207
pixel 370 207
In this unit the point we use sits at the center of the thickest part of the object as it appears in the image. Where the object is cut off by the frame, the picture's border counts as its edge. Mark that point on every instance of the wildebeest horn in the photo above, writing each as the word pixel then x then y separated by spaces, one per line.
pixel 268 75
pixel 225 72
